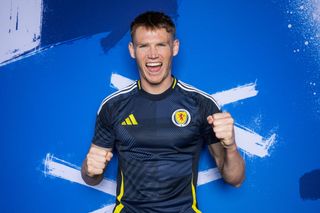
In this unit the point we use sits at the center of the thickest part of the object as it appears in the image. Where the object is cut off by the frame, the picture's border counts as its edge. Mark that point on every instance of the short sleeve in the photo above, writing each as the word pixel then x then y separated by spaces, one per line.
pixel 104 135
pixel 209 107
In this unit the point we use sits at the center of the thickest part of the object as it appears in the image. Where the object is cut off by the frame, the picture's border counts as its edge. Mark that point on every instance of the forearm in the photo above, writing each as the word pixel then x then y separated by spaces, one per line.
pixel 233 169
pixel 90 180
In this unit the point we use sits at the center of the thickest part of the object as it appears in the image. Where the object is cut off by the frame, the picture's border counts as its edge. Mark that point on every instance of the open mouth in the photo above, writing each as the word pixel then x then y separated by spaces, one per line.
pixel 154 66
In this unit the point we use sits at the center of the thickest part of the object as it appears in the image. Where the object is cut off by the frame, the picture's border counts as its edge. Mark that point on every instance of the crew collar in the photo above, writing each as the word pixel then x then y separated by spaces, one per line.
pixel 158 96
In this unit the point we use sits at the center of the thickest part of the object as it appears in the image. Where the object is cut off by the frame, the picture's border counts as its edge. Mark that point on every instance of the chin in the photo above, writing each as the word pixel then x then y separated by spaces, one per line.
pixel 154 81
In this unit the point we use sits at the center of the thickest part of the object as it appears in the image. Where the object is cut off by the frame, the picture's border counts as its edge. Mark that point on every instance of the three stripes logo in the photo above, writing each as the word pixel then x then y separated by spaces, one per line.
pixel 130 120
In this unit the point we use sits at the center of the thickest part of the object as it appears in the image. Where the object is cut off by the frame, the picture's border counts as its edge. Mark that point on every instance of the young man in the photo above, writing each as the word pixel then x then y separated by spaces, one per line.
pixel 158 126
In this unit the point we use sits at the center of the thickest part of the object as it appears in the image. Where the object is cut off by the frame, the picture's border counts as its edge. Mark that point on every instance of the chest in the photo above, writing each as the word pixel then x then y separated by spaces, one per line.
pixel 170 124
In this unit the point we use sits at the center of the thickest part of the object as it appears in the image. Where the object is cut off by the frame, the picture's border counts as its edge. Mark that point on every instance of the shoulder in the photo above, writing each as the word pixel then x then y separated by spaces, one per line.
pixel 197 93
pixel 117 96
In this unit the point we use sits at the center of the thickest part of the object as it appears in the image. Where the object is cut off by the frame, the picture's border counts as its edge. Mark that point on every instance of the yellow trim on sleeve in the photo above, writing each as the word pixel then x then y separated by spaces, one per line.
pixel 120 206
pixel 194 198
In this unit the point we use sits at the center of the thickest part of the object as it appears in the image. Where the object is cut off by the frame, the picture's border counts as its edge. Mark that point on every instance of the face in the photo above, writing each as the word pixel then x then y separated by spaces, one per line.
pixel 153 51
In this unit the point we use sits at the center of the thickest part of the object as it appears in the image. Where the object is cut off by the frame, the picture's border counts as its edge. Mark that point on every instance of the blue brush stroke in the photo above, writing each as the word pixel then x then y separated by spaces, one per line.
pixel 310 185
pixel 68 20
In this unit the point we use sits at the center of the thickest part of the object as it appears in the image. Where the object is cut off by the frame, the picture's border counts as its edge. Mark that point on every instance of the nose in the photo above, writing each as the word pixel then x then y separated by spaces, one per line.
pixel 153 53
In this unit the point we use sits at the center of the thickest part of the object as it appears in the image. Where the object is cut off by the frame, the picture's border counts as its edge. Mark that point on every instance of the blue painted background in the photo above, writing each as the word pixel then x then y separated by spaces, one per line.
pixel 49 100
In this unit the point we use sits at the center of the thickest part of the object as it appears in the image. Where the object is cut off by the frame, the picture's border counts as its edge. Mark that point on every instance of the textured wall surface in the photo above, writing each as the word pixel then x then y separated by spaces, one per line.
pixel 259 59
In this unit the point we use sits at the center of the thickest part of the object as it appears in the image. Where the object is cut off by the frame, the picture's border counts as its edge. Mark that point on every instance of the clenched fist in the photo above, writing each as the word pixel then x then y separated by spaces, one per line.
pixel 223 126
pixel 97 159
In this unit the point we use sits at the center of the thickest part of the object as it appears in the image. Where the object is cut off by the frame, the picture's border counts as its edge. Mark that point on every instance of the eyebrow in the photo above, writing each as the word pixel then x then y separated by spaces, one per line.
pixel 146 43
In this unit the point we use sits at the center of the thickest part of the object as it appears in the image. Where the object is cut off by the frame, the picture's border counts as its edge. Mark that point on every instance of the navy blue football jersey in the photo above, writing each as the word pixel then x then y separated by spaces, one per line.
pixel 158 139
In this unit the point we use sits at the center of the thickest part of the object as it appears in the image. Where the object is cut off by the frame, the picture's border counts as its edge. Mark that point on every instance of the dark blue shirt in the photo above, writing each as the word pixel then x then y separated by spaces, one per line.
pixel 158 139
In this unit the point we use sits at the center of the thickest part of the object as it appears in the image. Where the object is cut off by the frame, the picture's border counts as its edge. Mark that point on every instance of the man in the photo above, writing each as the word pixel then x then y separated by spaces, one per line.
pixel 158 126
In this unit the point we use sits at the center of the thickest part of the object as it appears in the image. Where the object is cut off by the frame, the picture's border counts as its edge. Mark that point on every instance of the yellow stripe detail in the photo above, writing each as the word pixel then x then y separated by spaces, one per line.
pixel 133 119
pixel 139 85
pixel 123 123
pixel 120 206
pixel 174 83
pixel 194 203
pixel 128 121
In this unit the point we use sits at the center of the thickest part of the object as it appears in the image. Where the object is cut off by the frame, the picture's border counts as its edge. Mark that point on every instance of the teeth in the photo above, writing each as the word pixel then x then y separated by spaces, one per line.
pixel 154 64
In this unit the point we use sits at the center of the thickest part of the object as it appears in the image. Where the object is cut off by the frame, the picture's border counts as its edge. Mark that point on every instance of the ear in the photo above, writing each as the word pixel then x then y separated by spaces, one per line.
pixel 176 45
pixel 131 50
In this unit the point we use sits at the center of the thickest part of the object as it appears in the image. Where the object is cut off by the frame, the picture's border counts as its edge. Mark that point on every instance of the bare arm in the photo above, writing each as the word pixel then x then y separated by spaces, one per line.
pixel 229 162
pixel 95 164
pixel 225 153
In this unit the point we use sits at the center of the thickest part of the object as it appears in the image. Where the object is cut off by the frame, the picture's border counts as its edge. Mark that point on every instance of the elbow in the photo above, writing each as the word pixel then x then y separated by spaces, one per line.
pixel 239 181
pixel 89 180
pixel 236 182
pixel 236 179
pixel 92 181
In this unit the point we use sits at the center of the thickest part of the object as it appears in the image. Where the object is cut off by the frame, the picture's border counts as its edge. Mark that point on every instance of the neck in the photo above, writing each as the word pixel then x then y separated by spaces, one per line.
pixel 156 89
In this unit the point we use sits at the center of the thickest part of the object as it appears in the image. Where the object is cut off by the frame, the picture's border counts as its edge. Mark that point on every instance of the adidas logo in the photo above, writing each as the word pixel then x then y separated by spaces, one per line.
pixel 131 120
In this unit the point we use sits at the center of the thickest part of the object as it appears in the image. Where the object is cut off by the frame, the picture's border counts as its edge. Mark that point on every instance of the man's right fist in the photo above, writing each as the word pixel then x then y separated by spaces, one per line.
pixel 97 159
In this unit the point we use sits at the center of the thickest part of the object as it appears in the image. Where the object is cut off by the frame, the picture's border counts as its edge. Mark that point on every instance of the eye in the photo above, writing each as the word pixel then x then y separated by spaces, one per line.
pixel 142 46
pixel 162 45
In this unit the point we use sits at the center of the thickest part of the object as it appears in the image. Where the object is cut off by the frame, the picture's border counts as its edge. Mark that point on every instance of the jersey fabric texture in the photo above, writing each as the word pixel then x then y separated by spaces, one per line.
pixel 158 139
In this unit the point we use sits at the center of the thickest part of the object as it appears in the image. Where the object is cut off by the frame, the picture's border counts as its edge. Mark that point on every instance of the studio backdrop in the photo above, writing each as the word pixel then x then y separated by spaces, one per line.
pixel 259 59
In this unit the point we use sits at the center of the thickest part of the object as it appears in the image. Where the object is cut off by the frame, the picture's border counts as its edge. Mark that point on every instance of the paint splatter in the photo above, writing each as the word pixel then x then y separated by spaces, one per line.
pixel 304 19
pixel 304 24
pixel 310 185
